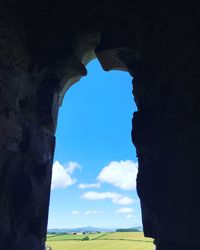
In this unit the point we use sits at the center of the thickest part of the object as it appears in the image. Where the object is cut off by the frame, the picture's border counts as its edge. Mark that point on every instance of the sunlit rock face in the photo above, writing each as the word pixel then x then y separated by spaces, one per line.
pixel 44 46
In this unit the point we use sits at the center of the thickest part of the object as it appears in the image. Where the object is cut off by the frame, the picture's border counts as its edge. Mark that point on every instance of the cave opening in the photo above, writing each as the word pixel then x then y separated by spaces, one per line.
pixel 95 164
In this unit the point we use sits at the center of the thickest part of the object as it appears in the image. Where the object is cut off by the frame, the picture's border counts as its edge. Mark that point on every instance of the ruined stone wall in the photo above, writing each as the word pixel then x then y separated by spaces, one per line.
pixel 26 145
pixel 166 128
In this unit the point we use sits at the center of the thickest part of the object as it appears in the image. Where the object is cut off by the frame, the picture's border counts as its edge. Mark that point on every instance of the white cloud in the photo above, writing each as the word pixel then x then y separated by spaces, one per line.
pixel 71 166
pixel 91 185
pixel 125 210
pixel 61 177
pixel 115 197
pixel 75 212
pixel 93 212
pixel 121 174
pixel 125 200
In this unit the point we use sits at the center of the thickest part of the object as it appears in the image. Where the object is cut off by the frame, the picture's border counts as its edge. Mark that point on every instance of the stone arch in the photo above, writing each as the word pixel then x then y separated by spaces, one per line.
pixel 86 48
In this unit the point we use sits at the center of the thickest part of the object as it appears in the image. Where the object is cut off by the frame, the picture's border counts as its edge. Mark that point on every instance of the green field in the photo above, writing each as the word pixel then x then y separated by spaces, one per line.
pixel 101 241
pixel 58 237
pixel 134 236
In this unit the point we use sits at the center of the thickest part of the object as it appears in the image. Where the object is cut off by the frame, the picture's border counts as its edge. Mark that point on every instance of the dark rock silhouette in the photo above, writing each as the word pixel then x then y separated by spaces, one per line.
pixel 44 46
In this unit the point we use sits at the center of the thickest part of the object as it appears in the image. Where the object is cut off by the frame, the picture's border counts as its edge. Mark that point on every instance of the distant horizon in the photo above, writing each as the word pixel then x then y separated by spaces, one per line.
pixel 94 227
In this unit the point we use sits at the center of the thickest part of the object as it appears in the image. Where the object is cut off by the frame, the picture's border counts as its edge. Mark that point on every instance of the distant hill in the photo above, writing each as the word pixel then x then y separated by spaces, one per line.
pixel 133 229
pixel 93 229
pixel 80 229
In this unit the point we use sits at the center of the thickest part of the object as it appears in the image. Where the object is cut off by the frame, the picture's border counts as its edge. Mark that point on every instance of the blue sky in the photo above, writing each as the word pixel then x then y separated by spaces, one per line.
pixel 95 162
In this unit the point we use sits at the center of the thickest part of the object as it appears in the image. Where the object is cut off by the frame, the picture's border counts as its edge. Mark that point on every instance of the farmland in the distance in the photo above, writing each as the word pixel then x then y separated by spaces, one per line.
pixel 101 241
pixel 59 237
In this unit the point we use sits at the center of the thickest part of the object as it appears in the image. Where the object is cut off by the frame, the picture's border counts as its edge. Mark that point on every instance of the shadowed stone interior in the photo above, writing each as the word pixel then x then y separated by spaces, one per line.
pixel 44 47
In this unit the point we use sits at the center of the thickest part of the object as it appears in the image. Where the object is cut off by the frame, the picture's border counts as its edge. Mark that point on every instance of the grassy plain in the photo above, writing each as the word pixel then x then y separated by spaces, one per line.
pixel 58 237
pixel 100 245
pixel 135 236
pixel 101 241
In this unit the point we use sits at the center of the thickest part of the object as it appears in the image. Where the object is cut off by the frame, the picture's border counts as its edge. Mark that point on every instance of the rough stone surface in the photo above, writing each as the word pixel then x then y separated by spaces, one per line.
pixel 44 46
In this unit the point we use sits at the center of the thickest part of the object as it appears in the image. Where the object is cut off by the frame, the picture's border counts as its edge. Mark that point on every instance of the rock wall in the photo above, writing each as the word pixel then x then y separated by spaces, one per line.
pixel 166 127
pixel 44 46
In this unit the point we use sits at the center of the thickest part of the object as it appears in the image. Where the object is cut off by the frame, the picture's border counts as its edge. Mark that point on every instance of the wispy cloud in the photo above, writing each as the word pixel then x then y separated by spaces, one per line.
pixel 71 166
pixel 121 174
pixel 75 212
pixel 114 197
pixel 125 210
pixel 91 185
pixel 93 212
pixel 61 176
